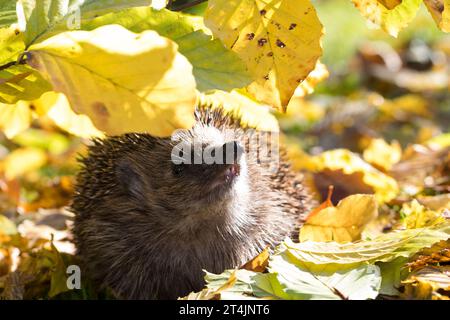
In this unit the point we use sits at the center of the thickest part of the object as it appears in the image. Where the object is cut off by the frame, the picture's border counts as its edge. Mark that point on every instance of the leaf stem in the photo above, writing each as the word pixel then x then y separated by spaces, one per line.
pixel 7 65
pixel 20 60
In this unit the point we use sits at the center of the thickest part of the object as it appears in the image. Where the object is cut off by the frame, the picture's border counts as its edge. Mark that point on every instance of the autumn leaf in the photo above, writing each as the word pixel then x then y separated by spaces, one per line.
pixel 7 227
pixel 14 118
pixel 417 216
pixel 319 74
pixel 326 204
pixel 258 263
pixel 384 248
pixel 212 294
pixel 383 155
pixel 288 280
pixel 278 40
pixel 214 66
pixel 343 223
pixel 240 106
pixel 21 83
pixel 438 253
pixel 56 106
pixel 438 202
pixel 342 167
pixel 440 11
pixel 391 16
pixel 428 283
pixel 298 282
pixel 128 82
pixel 21 161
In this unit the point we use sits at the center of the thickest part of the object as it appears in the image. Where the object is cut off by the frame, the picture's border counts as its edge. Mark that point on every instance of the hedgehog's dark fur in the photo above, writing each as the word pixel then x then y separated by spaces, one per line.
pixel 146 233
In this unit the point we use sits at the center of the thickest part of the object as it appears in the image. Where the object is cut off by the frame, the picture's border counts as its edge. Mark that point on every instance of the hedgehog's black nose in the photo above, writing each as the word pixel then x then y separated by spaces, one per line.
pixel 232 152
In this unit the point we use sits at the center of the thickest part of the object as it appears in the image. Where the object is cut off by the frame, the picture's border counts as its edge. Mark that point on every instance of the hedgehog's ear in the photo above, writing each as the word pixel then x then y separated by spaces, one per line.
pixel 130 178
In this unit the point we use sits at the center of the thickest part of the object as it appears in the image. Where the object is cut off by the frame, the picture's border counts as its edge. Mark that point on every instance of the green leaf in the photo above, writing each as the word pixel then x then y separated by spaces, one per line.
pixel 42 16
pixel 391 273
pixel 58 280
pixel 385 247
pixel 215 67
pixel 287 280
pixel 360 283
pixel 248 284
pixel 7 13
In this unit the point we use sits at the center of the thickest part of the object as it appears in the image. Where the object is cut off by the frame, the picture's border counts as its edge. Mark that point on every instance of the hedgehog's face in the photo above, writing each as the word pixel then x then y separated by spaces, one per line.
pixel 191 173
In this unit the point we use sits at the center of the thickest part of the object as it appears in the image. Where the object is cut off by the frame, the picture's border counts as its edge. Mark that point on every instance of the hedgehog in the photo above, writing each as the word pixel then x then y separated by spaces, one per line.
pixel 151 214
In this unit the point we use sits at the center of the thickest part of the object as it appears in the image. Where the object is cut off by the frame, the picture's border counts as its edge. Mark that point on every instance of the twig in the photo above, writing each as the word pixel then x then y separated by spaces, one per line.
pixel 20 60
pixel 7 65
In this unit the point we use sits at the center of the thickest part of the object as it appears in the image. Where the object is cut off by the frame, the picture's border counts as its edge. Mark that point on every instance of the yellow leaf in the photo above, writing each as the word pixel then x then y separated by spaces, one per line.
pixel 440 11
pixel 21 161
pixel 307 86
pixel 343 223
pixel 439 142
pixel 391 15
pixel 239 106
pixel 212 294
pixel 345 163
pixel 278 40
pixel 56 107
pixel 7 227
pixel 14 118
pixel 406 106
pixel 417 216
pixel 326 204
pixel 258 263
pixel 122 80
pixel 383 155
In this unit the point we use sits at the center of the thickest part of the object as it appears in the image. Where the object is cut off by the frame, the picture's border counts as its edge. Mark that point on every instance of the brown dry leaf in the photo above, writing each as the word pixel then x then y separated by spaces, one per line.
pixel 13 287
pixel 349 174
pixel 430 169
pixel 258 263
pixel 327 203
pixel 439 253
pixel 439 202
pixel 343 223
pixel 428 283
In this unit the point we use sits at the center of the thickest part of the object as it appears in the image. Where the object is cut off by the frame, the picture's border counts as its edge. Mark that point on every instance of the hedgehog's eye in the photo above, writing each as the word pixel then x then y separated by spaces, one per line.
pixel 177 169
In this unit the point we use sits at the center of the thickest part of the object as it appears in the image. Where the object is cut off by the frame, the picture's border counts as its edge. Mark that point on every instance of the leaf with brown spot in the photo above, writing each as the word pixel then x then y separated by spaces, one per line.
pixel 125 82
pixel 287 44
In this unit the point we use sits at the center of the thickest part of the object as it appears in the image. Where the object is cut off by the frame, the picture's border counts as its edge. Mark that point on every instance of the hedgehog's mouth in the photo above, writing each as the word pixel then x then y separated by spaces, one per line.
pixel 225 178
